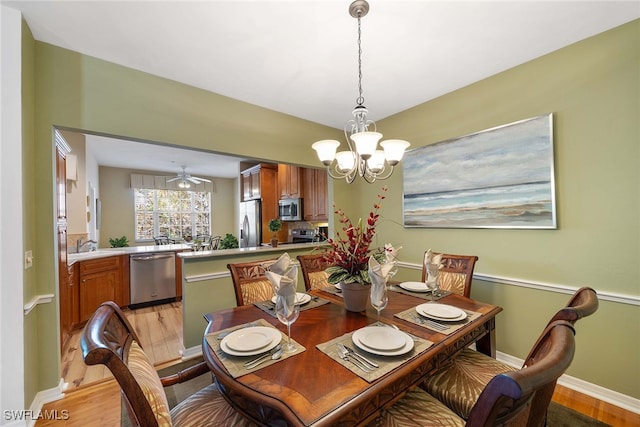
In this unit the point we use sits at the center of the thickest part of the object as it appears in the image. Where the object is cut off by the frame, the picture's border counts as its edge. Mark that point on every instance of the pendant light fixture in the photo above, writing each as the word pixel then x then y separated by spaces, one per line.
pixel 363 157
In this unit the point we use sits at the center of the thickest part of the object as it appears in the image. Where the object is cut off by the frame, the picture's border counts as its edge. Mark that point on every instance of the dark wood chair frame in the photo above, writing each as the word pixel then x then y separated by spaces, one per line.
pixel 463 264
pixel 311 264
pixel 106 340
pixel 246 272
pixel 508 394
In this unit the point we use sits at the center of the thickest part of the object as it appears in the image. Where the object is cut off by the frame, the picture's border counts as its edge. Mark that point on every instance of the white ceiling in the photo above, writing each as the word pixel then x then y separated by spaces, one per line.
pixel 300 57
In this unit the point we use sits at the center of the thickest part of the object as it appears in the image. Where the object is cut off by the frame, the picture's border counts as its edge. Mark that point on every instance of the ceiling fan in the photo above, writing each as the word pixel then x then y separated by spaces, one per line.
pixel 185 179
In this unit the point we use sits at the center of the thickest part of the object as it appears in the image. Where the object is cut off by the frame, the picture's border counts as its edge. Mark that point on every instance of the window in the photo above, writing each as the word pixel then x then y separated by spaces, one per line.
pixel 171 213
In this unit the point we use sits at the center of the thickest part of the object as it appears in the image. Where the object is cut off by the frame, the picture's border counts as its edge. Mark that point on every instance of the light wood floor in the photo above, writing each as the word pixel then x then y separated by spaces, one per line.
pixel 93 398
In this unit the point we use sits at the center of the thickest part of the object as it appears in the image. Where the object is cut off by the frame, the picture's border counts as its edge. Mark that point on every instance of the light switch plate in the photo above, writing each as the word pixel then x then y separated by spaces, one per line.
pixel 28 259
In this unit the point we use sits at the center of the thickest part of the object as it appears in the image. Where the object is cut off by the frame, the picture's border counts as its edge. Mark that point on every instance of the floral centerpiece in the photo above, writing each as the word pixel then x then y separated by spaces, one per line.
pixel 349 253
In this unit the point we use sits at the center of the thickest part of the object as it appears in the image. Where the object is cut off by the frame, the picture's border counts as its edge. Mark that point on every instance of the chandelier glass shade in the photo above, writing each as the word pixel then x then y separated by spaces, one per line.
pixel 363 158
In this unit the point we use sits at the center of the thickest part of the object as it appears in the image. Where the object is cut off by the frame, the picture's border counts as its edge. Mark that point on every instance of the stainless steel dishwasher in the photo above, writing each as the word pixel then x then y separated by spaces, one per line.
pixel 152 278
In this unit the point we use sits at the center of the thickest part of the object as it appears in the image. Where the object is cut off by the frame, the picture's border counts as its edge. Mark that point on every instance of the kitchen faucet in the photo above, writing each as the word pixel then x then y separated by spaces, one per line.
pixel 80 244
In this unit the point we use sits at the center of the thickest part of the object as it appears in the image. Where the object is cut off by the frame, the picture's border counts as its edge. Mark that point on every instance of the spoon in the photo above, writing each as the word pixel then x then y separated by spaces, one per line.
pixel 275 356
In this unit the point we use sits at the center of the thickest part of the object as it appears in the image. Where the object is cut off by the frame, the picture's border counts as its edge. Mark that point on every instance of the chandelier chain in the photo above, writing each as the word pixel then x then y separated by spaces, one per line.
pixel 360 99
pixel 363 158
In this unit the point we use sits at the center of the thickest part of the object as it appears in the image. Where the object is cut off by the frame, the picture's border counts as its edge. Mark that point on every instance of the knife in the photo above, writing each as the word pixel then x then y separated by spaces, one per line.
pixel 361 357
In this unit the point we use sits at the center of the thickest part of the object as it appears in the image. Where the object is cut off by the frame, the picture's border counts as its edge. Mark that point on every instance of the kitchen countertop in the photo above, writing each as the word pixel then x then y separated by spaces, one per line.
pixel 130 250
pixel 246 251
pixel 184 251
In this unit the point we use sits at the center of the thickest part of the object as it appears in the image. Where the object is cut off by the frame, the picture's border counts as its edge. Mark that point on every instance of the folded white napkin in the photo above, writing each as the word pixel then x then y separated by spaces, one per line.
pixel 378 276
pixel 283 275
pixel 433 264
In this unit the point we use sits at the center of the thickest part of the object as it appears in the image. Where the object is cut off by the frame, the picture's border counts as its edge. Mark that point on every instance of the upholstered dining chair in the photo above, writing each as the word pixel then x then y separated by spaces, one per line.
pixel 249 281
pixel 457 273
pixel 508 398
pixel 461 381
pixel 313 271
pixel 108 339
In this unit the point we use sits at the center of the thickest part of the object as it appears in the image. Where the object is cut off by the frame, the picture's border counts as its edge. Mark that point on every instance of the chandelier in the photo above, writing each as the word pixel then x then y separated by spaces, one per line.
pixel 363 157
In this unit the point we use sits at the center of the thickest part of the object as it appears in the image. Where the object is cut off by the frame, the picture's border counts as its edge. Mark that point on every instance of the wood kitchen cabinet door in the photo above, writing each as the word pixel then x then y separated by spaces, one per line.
pixel 289 181
pixel 95 289
pixel 315 190
pixel 69 301
pixel 101 280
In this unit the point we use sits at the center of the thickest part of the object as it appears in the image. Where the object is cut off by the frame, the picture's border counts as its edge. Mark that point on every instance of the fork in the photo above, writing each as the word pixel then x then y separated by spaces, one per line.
pixel 344 355
pixel 351 352
pixel 431 323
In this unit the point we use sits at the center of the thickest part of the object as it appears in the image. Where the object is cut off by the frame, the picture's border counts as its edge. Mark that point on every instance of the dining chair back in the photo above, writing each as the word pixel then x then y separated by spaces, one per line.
pixel 214 243
pixel 583 303
pixel 508 398
pixel 205 241
pixel 250 283
pixel 472 370
pixel 161 240
pixel 108 339
pixel 313 268
pixel 456 274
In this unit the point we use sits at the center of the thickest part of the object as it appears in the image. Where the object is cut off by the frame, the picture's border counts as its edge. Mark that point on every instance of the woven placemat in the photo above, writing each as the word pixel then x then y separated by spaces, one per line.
pixel 423 295
pixel 270 308
pixel 386 363
pixel 235 364
pixel 411 315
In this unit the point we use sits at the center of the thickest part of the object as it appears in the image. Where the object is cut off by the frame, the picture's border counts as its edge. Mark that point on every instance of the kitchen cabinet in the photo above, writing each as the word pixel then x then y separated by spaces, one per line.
pixel 69 300
pixel 289 181
pixel 258 180
pixel 103 279
pixel 316 195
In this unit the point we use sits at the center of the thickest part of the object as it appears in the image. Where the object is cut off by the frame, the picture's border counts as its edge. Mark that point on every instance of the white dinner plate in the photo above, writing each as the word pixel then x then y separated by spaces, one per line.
pixel 414 286
pixel 249 339
pixel 274 338
pixel 301 298
pixel 406 347
pixel 380 338
pixel 441 312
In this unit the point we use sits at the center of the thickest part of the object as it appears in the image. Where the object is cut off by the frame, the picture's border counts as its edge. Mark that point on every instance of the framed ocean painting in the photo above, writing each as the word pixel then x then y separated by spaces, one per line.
pixel 497 178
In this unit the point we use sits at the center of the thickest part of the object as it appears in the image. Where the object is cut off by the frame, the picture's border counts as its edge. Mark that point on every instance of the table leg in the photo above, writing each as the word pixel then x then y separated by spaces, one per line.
pixel 487 344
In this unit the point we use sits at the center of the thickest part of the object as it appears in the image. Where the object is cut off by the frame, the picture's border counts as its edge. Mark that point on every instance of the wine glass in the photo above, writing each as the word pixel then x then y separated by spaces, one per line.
pixel 432 280
pixel 287 312
pixel 379 298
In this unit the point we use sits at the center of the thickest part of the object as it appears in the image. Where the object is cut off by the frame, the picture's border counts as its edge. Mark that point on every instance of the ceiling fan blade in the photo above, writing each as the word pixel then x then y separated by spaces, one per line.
pixel 197 178
pixel 175 178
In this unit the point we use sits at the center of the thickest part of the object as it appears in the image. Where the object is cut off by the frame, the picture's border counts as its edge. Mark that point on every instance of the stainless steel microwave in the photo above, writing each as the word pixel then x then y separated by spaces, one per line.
pixel 290 209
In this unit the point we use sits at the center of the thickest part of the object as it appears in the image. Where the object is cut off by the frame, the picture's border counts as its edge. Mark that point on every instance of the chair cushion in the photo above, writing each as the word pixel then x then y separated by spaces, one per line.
pixel 453 282
pixel 207 407
pixel 460 383
pixel 260 290
pixel 318 279
pixel 418 408
pixel 149 381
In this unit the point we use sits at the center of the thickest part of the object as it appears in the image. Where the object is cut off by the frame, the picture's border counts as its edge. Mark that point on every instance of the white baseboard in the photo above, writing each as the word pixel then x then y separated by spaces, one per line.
pixel 43 397
pixel 613 397
pixel 192 353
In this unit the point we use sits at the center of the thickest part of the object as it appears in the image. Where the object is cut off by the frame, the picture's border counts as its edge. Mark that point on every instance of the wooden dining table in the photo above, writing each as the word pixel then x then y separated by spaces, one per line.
pixel 311 388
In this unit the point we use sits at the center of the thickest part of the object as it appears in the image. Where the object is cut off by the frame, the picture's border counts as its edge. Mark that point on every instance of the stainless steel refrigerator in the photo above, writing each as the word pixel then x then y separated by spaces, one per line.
pixel 250 224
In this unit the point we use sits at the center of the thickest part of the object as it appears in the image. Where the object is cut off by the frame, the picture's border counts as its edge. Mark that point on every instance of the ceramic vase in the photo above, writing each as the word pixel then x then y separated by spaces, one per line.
pixel 355 296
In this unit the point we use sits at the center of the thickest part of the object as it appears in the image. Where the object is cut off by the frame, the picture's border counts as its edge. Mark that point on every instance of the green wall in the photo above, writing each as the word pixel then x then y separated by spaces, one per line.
pixel 593 90
pixel 77 92
pixel 591 87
